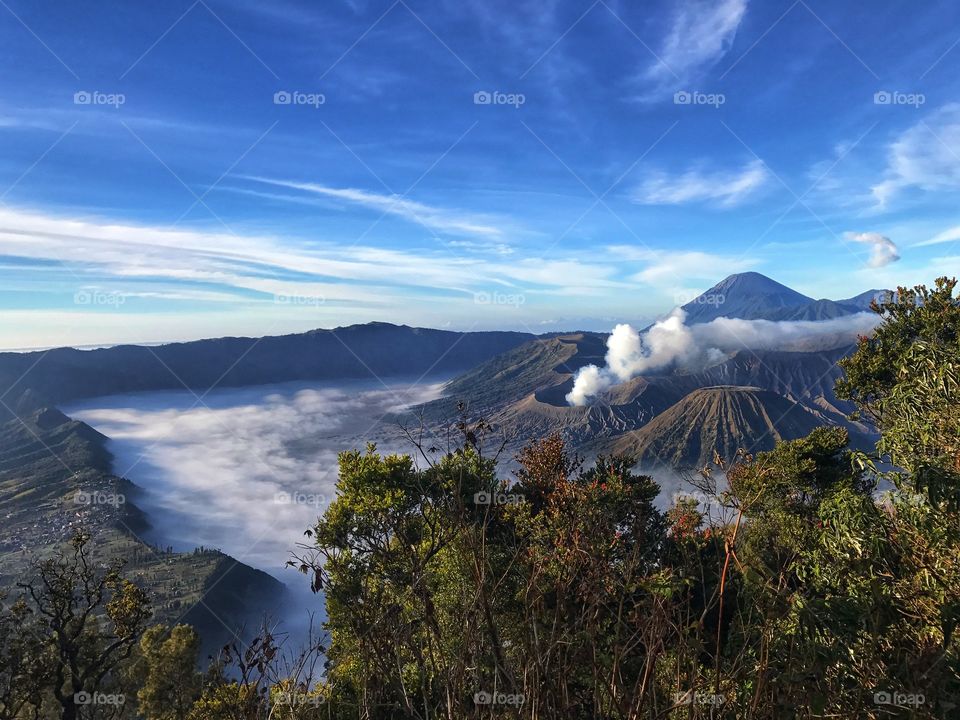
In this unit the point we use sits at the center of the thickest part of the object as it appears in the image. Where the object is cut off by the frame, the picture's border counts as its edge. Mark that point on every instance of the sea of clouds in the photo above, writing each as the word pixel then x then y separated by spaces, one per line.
pixel 247 470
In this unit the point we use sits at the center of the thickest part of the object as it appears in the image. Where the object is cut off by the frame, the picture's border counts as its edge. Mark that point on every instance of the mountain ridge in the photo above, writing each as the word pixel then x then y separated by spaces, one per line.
pixel 375 350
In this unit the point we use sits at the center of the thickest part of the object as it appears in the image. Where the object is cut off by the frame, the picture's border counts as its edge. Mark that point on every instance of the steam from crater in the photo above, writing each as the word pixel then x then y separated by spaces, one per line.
pixel 671 343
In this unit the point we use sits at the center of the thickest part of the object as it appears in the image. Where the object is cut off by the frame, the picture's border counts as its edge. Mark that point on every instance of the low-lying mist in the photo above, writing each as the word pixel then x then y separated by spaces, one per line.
pixel 248 470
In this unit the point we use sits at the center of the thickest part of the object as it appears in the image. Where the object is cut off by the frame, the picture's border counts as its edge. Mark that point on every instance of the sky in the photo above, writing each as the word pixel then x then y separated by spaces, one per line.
pixel 197 168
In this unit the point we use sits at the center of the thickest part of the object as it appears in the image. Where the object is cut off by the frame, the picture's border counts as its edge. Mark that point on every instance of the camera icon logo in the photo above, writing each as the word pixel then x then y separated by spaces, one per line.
pixel 282 97
pixel 82 97
pixel 482 498
pixel 482 698
pixel 81 498
pixel 882 97
pixel 682 97
pixel 482 97
pixel 82 698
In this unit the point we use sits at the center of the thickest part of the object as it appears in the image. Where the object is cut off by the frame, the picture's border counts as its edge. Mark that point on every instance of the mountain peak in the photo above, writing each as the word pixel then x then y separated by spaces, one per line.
pixel 745 295
pixel 757 283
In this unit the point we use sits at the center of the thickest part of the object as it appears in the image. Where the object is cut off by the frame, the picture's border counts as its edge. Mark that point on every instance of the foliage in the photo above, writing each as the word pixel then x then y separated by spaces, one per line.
pixel 171 682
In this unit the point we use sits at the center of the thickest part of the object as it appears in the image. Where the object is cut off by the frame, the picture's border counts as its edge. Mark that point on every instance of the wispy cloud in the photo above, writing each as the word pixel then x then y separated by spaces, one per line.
pixel 949 235
pixel 435 218
pixel 700 34
pixel 925 156
pixel 883 250
pixel 724 188
pixel 263 264
pixel 672 267
pixel 180 284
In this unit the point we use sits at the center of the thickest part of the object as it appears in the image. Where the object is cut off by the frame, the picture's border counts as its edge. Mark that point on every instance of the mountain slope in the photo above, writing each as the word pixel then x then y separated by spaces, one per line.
pixel 863 300
pixel 534 366
pixel 720 419
pixel 55 478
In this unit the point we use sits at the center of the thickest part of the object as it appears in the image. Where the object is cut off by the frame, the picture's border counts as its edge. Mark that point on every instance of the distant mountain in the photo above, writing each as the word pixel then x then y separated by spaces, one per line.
pixel 864 299
pixel 374 350
pixel 748 295
pixel 752 296
pixel 721 419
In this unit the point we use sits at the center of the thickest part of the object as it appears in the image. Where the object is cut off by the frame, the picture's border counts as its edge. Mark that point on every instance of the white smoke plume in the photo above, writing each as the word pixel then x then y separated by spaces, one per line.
pixel 672 343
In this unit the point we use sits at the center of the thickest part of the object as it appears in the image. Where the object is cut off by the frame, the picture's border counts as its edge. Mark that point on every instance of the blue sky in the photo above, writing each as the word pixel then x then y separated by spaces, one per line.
pixel 173 170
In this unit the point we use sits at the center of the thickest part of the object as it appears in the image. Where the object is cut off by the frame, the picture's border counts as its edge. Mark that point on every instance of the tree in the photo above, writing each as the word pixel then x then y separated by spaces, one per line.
pixel 170 682
pixel 906 378
pixel 25 672
pixel 93 621
pixel 448 589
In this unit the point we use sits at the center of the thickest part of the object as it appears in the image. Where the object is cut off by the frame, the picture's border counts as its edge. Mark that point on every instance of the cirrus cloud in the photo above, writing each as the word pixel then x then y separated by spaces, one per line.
pixel 926 156
pixel 723 188
pixel 700 33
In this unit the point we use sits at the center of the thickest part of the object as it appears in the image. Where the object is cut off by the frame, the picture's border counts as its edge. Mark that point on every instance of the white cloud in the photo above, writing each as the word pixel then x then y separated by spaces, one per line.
pixel 701 32
pixel 883 250
pixel 948 235
pixel 926 156
pixel 248 262
pixel 725 189
pixel 428 216
pixel 667 267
